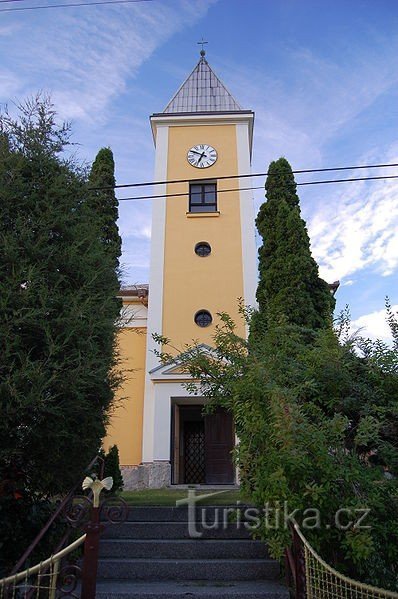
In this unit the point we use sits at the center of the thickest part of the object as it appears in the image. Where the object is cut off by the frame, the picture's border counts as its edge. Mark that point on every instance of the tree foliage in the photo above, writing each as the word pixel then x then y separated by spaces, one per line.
pixel 58 367
pixel 112 468
pixel 289 284
pixel 103 202
pixel 317 430
pixel 315 407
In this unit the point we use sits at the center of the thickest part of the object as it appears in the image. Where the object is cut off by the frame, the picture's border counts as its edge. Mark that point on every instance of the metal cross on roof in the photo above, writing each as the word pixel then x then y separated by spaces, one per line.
pixel 202 43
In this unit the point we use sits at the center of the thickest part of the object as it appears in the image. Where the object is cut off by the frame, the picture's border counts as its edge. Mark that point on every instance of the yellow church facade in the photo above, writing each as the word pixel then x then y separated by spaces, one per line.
pixel 203 259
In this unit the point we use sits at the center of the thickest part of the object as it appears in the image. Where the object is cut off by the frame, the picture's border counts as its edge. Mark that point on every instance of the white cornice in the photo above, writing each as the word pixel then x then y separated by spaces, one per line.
pixel 182 120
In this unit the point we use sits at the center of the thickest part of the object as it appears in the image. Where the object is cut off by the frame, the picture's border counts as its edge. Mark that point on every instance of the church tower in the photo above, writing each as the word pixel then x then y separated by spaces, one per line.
pixel 203 259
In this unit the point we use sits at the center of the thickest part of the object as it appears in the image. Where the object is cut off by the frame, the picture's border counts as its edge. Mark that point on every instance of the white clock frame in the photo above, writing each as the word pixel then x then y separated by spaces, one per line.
pixel 202 156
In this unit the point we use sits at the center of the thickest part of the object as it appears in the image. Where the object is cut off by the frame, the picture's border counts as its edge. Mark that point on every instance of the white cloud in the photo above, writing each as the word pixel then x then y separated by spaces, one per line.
pixel 135 259
pixel 136 223
pixel 298 114
pixel 374 325
pixel 85 57
pixel 6 30
pixel 353 226
pixel 358 229
pixel 332 93
pixel 10 83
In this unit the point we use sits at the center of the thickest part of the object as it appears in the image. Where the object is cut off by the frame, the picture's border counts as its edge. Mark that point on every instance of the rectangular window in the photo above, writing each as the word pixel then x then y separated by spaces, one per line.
pixel 202 197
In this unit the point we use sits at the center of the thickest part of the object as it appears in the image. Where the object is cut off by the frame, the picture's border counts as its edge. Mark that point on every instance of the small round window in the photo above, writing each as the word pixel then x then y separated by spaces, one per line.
pixel 202 249
pixel 203 318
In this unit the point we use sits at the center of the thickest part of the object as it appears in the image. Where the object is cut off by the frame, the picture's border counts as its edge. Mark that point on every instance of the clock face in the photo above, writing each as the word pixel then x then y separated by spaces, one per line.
pixel 202 156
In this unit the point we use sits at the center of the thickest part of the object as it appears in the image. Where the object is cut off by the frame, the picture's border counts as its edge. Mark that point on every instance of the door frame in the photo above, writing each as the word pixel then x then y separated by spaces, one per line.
pixel 175 443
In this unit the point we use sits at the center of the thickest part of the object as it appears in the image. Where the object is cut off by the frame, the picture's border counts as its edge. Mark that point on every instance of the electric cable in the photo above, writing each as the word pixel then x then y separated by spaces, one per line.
pixel 174 195
pixel 97 3
pixel 295 172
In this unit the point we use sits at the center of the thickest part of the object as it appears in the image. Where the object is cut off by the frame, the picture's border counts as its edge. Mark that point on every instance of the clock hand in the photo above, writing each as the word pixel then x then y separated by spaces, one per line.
pixel 194 152
pixel 201 156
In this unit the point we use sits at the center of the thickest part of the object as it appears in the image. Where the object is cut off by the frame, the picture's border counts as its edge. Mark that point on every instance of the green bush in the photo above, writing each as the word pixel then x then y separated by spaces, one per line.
pixel 22 518
pixel 315 409
pixel 112 468
pixel 309 413
pixel 58 318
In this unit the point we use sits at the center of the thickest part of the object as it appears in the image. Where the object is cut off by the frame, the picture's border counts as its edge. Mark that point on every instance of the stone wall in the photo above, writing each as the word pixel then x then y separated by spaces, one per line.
pixel 153 475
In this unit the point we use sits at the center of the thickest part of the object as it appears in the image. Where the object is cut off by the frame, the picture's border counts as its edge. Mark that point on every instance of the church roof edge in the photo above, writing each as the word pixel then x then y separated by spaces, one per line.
pixel 201 113
pixel 177 360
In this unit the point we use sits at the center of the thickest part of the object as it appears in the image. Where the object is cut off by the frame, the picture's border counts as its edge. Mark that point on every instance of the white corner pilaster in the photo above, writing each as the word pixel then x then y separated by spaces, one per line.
pixel 155 305
pixel 249 253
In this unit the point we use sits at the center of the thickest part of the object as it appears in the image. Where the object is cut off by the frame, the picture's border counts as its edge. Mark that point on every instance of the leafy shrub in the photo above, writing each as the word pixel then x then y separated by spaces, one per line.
pixel 310 412
pixel 112 468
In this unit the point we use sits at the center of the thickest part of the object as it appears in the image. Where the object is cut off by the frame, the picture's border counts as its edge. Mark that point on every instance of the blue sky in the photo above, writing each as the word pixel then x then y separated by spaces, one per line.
pixel 322 78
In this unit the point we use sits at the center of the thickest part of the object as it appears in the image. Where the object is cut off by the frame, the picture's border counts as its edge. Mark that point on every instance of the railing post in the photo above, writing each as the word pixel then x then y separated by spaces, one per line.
pixel 299 565
pixel 54 571
pixel 93 531
pixel 62 506
pixel 90 560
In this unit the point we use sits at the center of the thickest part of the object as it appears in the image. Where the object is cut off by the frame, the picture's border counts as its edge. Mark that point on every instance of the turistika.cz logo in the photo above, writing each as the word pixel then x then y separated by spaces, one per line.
pixel 202 518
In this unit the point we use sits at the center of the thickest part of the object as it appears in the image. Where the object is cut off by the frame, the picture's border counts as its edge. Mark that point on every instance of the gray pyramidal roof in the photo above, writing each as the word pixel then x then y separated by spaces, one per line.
pixel 202 91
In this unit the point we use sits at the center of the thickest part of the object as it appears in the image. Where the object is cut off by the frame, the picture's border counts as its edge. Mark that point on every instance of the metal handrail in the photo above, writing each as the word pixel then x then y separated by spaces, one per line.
pixel 312 575
pixel 55 515
pixel 366 590
pixel 43 565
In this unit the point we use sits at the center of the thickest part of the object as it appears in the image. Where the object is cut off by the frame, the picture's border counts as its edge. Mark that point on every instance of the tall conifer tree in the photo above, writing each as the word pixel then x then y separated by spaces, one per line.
pixel 289 285
pixel 57 307
pixel 104 203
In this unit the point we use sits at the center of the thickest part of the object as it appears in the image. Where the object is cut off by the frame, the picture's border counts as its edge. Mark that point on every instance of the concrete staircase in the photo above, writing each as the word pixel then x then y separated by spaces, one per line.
pixel 152 556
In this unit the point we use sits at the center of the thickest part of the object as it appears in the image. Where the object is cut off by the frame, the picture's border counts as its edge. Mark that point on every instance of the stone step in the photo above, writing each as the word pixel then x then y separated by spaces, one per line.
pixel 114 589
pixel 173 530
pixel 186 569
pixel 180 514
pixel 183 548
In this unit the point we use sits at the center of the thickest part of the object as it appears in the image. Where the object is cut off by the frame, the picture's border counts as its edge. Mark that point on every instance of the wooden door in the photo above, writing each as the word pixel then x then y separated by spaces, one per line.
pixel 219 442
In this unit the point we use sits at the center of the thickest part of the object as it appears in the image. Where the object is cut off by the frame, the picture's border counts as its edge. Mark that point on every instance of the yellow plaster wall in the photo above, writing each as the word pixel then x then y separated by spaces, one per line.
pixel 191 283
pixel 125 427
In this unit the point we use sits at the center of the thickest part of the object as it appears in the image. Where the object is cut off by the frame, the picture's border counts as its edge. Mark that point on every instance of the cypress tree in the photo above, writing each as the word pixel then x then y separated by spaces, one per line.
pixel 104 203
pixel 112 468
pixel 102 212
pixel 289 284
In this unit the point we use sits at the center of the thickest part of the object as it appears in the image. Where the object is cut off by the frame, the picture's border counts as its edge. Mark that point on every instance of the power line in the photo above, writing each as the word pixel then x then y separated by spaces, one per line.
pixel 351 179
pixel 69 5
pixel 175 195
pixel 298 172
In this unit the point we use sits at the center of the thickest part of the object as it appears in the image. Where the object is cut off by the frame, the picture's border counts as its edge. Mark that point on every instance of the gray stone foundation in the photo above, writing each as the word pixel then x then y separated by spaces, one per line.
pixel 152 475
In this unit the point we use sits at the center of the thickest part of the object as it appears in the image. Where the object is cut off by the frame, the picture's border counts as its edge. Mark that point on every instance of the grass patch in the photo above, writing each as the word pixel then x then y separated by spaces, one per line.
pixel 168 497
